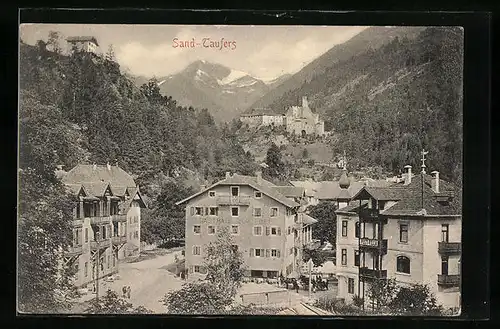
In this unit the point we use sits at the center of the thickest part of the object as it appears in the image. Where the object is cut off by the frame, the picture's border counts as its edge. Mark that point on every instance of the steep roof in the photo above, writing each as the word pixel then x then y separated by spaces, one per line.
pixel 82 39
pixel 260 111
pixel 90 174
pixel 262 185
pixel 290 191
pixel 409 200
pixel 353 207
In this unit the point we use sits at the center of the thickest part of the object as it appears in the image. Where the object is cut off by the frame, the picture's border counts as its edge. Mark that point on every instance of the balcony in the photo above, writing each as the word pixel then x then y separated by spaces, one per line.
pixel 449 248
pixel 119 218
pixel 372 273
pixel 74 251
pixel 452 280
pixel 233 200
pixel 374 244
pixel 96 220
pixel 119 240
pixel 105 243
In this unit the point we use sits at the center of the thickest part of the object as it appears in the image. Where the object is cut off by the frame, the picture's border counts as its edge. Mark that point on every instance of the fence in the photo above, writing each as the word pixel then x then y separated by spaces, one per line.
pixel 267 298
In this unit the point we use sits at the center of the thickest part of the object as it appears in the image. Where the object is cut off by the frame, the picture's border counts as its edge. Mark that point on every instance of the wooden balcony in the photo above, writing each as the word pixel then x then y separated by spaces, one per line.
pixel 369 273
pixel 119 218
pixel 119 240
pixel 449 248
pixel 74 251
pixel 233 200
pixel 452 280
pixel 373 245
pixel 96 220
pixel 103 244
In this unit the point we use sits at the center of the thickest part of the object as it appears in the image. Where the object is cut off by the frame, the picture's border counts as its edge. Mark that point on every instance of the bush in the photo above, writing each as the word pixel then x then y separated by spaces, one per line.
pixel 357 301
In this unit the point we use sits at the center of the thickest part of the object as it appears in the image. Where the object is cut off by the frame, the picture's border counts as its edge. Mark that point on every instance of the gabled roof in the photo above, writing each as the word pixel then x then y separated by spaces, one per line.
pixel 290 191
pixel 82 39
pixel 353 207
pixel 308 220
pixel 263 186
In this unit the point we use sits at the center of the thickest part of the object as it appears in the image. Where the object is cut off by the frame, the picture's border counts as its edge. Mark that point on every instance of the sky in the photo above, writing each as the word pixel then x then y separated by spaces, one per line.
pixel 265 52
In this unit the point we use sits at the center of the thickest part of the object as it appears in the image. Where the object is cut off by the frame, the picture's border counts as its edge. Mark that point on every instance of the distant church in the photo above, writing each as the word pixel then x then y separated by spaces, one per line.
pixel 299 120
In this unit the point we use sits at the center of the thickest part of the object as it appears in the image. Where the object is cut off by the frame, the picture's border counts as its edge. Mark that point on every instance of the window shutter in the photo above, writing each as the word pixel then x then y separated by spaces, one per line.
pixel 192 211
pixel 262 252
pixel 251 252
pixel 279 230
pixel 278 252
pixel 267 230
pixel 267 253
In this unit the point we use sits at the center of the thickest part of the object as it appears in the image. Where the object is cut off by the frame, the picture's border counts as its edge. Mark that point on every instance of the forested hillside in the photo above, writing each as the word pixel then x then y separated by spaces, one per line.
pixel 385 105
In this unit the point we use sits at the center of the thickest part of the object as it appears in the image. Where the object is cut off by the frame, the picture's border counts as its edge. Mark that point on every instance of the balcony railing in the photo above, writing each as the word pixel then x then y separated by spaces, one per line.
pixel 452 280
pixel 449 248
pixel 374 244
pixel 119 218
pixel 74 251
pixel 372 273
pixel 117 240
pixel 105 243
pixel 100 220
pixel 233 200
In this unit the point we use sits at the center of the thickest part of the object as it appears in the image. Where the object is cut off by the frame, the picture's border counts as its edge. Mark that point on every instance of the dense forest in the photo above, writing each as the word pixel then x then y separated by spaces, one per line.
pixel 385 105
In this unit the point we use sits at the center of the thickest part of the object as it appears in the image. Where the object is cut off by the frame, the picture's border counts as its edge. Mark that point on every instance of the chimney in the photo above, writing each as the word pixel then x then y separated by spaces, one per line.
pixel 228 174
pixel 435 181
pixel 259 176
pixel 407 175
pixel 108 165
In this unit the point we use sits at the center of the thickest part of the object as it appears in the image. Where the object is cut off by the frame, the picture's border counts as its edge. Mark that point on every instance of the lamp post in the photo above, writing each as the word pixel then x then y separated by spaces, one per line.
pixel 98 237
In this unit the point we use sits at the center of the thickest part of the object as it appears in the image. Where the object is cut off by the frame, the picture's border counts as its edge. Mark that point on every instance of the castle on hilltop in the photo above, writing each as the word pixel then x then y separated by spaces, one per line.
pixel 299 120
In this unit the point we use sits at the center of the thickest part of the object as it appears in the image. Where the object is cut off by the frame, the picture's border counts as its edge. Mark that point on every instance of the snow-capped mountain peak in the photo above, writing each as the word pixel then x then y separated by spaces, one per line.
pixel 232 76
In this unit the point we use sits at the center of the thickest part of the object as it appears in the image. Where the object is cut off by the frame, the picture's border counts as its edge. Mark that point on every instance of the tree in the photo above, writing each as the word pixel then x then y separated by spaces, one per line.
pixel 111 303
pixel 317 256
pixel 415 300
pixel 276 167
pixel 215 295
pixel 110 54
pixel 381 294
pixel 54 42
pixel 326 227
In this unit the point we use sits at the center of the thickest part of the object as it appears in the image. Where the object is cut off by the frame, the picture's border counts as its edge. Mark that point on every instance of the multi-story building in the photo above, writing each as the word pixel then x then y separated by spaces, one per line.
pixel 107 219
pixel 409 231
pixel 83 43
pixel 266 222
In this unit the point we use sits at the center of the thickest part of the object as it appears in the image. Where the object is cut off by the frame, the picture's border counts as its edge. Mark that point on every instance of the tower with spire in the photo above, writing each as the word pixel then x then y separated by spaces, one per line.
pixel 344 183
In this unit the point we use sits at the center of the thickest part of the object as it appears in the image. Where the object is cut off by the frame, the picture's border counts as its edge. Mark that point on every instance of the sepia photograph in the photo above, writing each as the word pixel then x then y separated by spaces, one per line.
pixel 240 170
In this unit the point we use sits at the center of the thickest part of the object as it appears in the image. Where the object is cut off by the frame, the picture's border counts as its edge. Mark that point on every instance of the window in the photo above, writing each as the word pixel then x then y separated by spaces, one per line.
pixel 197 229
pixel 235 211
pixel 403 233
pixel 274 212
pixel 445 232
pixel 289 230
pixel 275 253
pixel 381 205
pixel 235 191
pixel 350 286
pixel 198 211
pixel 444 265
pixel 258 194
pixel 211 194
pixel 257 212
pixel 196 250
pixel 86 269
pixel 211 229
pixel 356 258
pixel 344 228
pixel 274 230
pixel 259 252
pixel 257 230
pixel 235 229
pixel 357 230
pixel 214 211
pixel 344 257
pixel 196 269
pixel 403 264
pixel 86 235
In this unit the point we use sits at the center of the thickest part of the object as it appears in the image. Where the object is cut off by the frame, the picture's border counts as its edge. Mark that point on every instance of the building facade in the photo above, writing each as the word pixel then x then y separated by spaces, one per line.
pixel 107 220
pixel 301 120
pixel 265 221
pixel 83 43
pixel 262 117
pixel 410 231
